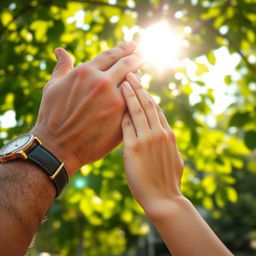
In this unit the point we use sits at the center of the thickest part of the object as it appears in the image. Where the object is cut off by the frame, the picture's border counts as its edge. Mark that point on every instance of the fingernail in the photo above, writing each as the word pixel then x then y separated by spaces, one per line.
pixel 131 44
pixel 132 77
pixel 126 85
pixel 57 53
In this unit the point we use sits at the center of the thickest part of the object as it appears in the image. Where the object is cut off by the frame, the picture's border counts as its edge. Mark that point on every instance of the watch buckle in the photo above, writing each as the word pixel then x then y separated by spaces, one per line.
pixel 23 155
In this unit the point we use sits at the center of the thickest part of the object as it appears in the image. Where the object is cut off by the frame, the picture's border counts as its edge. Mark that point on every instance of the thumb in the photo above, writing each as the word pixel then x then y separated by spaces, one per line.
pixel 64 64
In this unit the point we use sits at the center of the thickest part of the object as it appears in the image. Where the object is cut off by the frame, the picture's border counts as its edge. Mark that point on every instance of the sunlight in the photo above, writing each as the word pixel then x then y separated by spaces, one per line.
pixel 160 46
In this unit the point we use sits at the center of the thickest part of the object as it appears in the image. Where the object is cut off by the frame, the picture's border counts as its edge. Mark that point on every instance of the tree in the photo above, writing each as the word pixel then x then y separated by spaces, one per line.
pixel 97 215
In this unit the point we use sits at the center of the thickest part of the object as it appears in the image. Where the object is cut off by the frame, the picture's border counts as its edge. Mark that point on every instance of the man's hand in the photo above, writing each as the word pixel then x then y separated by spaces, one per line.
pixel 79 121
pixel 81 110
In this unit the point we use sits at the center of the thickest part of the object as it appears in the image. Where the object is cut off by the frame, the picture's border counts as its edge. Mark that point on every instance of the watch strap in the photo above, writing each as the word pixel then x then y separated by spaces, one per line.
pixel 51 165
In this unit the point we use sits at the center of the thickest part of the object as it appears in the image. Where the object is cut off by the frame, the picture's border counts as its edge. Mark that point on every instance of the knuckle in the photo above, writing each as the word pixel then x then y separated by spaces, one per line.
pixel 138 110
pixel 82 71
pixel 149 140
pixel 59 65
pixel 131 94
pixel 137 86
pixel 110 54
pixel 123 47
pixel 134 146
pixel 127 62
pixel 119 102
pixel 103 83
pixel 126 122
pixel 117 105
pixel 172 136
pixel 158 108
pixel 150 104
pixel 161 136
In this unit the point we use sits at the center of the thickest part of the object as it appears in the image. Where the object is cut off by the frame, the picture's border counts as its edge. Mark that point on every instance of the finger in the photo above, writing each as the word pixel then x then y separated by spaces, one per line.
pixel 107 58
pixel 129 132
pixel 146 101
pixel 162 118
pixel 136 111
pixel 123 66
pixel 64 64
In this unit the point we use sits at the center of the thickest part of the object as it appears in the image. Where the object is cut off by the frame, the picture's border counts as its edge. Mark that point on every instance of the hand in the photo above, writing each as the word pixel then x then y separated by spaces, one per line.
pixel 153 165
pixel 81 110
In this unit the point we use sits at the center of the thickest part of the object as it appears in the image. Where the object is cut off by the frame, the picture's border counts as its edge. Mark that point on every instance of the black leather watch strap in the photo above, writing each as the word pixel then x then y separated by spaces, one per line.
pixel 51 165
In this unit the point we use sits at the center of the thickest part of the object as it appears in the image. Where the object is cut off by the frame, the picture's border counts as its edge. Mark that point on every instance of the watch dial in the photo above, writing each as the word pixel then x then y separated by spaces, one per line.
pixel 15 144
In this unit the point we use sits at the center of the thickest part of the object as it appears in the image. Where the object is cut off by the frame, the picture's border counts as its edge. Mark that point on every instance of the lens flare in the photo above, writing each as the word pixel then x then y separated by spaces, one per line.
pixel 160 46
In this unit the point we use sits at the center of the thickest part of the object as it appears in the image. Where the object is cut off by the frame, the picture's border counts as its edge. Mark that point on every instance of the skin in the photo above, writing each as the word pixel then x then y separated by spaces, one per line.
pixel 154 168
pixel 79 121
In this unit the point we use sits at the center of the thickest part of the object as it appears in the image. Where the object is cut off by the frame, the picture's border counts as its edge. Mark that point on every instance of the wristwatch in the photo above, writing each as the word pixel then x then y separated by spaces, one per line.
pixel 28 147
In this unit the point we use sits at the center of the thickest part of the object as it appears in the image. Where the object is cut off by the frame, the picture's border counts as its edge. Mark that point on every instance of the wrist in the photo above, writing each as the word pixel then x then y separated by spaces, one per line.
pixel 58 149
pixel 166 208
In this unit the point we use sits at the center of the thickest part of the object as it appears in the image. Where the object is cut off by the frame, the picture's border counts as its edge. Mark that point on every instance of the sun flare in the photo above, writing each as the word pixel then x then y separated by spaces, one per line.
pixel 160 46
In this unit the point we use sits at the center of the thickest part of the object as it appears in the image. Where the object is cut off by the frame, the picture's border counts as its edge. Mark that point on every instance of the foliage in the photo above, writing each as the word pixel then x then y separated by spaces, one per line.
pixel 97 215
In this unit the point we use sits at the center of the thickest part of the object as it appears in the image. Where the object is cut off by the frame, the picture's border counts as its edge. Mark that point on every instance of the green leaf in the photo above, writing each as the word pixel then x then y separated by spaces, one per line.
pixel 245 45
pixel 201 69
pixel 209 184
pixel 239 119
pixel 219 21
pixel 231 194
pixel 39 27
pixel 212 12
pixel 250 36
pixel 211 58
pixel 6 17
pixel 220 198
pixel 194 137
pixel 207 203
pixel 201 83
pixel 127 216
pixel 250 139
pixel 227 79
pixel 230 12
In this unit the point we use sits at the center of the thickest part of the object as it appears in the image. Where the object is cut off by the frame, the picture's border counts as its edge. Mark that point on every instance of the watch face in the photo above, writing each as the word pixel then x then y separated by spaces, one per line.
pixel 15 145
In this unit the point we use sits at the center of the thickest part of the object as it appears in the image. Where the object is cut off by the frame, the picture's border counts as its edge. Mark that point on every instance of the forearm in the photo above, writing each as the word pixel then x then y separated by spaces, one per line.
pixel 185 232
pixel 22 206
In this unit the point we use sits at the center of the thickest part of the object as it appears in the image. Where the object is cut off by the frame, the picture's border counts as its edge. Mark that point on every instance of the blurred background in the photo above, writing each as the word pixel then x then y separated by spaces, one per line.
pixel 202 73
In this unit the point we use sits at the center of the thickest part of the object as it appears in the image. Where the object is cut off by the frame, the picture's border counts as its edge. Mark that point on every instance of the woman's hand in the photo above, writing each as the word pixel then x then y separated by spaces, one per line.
pixel 153 164
pixel 153 167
